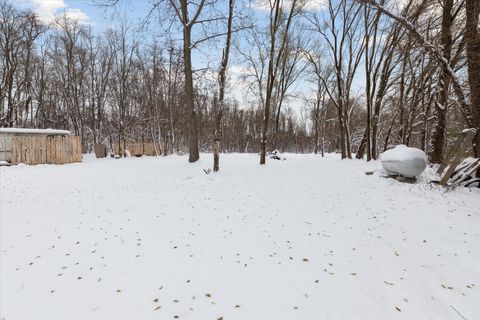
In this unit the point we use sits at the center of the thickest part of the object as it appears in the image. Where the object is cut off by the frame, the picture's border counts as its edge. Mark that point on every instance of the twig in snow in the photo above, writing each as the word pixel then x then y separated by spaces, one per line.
pixel 458 313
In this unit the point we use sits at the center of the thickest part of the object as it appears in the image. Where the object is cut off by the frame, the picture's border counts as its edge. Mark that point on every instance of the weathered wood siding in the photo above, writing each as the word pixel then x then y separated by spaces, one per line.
pixel 139 148
pixel 46 149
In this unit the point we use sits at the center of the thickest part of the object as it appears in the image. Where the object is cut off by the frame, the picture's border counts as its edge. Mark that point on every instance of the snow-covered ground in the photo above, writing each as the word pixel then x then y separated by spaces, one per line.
pixel 305 238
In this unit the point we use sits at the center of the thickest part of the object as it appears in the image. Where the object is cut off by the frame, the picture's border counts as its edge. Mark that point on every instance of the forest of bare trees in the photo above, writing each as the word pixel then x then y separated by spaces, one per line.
pixel 346 76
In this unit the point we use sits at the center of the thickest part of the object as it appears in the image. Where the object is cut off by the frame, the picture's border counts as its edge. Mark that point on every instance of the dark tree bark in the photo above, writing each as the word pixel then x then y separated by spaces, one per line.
pixel 189 103
pixel 221 94
pixel 440 111
pixel 187 24
pixel 472 35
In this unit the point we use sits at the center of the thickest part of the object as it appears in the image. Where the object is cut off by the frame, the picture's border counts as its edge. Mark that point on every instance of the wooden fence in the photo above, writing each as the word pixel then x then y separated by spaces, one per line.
pixel 46 149
pixel 140 148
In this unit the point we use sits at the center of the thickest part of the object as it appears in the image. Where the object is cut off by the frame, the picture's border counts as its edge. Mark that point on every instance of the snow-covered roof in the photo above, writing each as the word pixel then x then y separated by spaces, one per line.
pixel 35 131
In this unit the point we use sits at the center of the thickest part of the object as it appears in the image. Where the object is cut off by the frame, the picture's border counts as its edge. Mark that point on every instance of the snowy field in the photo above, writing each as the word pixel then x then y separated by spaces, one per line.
pixel 306 238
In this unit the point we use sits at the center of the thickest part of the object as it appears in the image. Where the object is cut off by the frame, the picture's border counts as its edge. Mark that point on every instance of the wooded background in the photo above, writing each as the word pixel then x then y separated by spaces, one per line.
pixel 345 76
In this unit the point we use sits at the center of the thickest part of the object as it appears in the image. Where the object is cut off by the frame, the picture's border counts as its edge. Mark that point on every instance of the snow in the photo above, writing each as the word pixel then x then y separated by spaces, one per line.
pixel 470 130
pixel 401 152
pixel 34 131
pixel 405 161
pixel 155 238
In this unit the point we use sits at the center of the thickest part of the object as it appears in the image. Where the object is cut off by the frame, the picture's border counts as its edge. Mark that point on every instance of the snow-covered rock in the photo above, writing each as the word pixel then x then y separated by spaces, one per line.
pixel 404 161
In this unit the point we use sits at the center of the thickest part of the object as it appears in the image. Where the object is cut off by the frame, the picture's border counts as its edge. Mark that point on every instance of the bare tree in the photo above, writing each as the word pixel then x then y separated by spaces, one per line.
pixel 18 33
pixel 435 53
pixel 291 69
pixel 274 58
pixel 342 34
pixel 123 67
pixel 438 131
pixel 221 89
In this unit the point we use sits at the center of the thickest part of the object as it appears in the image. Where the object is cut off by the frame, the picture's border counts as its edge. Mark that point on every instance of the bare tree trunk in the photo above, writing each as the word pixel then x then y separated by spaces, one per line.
pixel 363 142
pixel 348 150
pixel 386 71
pixel 440 112
pixel 221 85
pixel 187 24
pixel 342 133
pixel 424 130
pixel 368 80
pixel 389 132
pixel 189 103
pixel 317 133
pixel 270 81
pixel 273 63
pixel 472 35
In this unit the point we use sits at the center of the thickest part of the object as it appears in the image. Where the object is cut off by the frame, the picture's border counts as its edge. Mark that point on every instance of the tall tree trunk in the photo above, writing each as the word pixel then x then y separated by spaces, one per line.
pixel 440 112
pixel 189 93
pixel 472 35
pixel 221 94
pixel 368 89
pixel 273 64
pixel 189 103
pixel 317 131
pixel 340 111
pixel 401 103
pixel 342 134
pixel 346 121
pixel 270 82
pixel 363 143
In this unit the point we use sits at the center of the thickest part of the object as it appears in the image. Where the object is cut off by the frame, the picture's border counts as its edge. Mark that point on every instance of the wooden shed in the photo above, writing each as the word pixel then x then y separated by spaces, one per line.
pixel 37 146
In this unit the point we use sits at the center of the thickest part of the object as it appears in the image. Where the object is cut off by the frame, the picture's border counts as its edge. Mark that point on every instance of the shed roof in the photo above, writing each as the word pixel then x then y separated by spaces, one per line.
pixel 35 131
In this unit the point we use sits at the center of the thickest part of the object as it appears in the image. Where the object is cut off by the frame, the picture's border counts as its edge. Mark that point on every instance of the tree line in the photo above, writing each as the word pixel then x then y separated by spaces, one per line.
pixel 346 76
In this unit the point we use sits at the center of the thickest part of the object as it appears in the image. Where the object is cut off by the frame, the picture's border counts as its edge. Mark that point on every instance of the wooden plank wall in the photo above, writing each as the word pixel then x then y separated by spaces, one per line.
pixel 43 149
pixel 140 148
